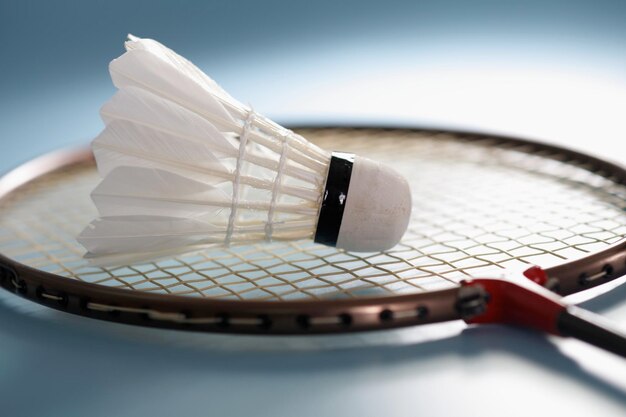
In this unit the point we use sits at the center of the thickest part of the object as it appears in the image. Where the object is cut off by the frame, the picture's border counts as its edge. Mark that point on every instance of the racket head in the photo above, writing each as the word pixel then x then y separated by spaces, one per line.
pixel 483 203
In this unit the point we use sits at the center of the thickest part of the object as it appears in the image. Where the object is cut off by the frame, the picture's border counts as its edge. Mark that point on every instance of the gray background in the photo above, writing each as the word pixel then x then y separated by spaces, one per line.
pixel 548 70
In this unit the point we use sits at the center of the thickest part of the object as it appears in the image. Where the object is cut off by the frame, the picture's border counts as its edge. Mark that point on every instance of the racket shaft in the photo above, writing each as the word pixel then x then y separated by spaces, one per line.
pixel 591 328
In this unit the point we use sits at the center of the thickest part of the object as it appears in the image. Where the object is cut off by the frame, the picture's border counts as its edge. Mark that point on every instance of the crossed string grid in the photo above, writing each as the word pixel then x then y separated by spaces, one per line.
pixel 478 207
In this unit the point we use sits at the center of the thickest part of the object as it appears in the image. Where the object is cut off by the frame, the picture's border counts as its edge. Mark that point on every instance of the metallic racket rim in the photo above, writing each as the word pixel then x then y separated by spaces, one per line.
pixel 288 317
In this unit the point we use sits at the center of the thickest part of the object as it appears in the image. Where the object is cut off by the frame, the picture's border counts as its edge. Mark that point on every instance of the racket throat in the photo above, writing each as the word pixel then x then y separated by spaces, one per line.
pixel 524 302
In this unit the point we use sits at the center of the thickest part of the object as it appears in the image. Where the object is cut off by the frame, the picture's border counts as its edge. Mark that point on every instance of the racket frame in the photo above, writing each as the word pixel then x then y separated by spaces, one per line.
pixel 288 317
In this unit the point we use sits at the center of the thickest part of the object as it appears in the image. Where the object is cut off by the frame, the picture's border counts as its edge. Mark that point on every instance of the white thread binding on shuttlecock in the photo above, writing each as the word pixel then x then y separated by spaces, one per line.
pixel 243 140
pixel 269 226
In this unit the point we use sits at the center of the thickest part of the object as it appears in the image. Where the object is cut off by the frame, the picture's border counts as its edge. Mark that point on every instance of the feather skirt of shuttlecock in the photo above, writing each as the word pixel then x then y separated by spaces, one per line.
pixel 185 166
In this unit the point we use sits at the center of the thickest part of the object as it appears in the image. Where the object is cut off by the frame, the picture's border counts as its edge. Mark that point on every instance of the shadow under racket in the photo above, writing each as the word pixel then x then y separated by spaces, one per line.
pixel 83 341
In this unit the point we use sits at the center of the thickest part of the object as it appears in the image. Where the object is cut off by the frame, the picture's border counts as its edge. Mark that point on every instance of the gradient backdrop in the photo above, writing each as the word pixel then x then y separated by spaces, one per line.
pixel 552 70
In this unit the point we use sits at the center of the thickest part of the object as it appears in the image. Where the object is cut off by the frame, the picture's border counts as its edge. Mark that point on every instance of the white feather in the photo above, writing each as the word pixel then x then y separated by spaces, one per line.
pixel 149 120
pixel 142 69
pixel 183 65
pixel 124 143
pixel 147 109
pixel 130 190
pixel 146 113
pixel 123 234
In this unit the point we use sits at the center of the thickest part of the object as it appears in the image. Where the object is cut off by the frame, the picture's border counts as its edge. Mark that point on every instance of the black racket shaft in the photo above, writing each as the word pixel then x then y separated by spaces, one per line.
pixel 591 328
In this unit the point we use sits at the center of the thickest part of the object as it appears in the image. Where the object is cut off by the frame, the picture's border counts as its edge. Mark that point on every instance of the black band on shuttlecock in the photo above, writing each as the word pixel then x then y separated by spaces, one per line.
pixel 334 198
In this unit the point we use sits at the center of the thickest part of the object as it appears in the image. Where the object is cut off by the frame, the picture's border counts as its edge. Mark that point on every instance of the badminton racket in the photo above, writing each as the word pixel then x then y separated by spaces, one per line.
pixel 501 229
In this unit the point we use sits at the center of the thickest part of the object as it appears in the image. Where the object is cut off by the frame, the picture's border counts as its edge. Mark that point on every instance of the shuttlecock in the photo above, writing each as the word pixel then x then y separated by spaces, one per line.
pixel 186 166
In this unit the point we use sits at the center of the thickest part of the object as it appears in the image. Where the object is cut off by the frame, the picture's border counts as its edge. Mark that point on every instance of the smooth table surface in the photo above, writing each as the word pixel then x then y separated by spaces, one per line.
pixel 484 68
